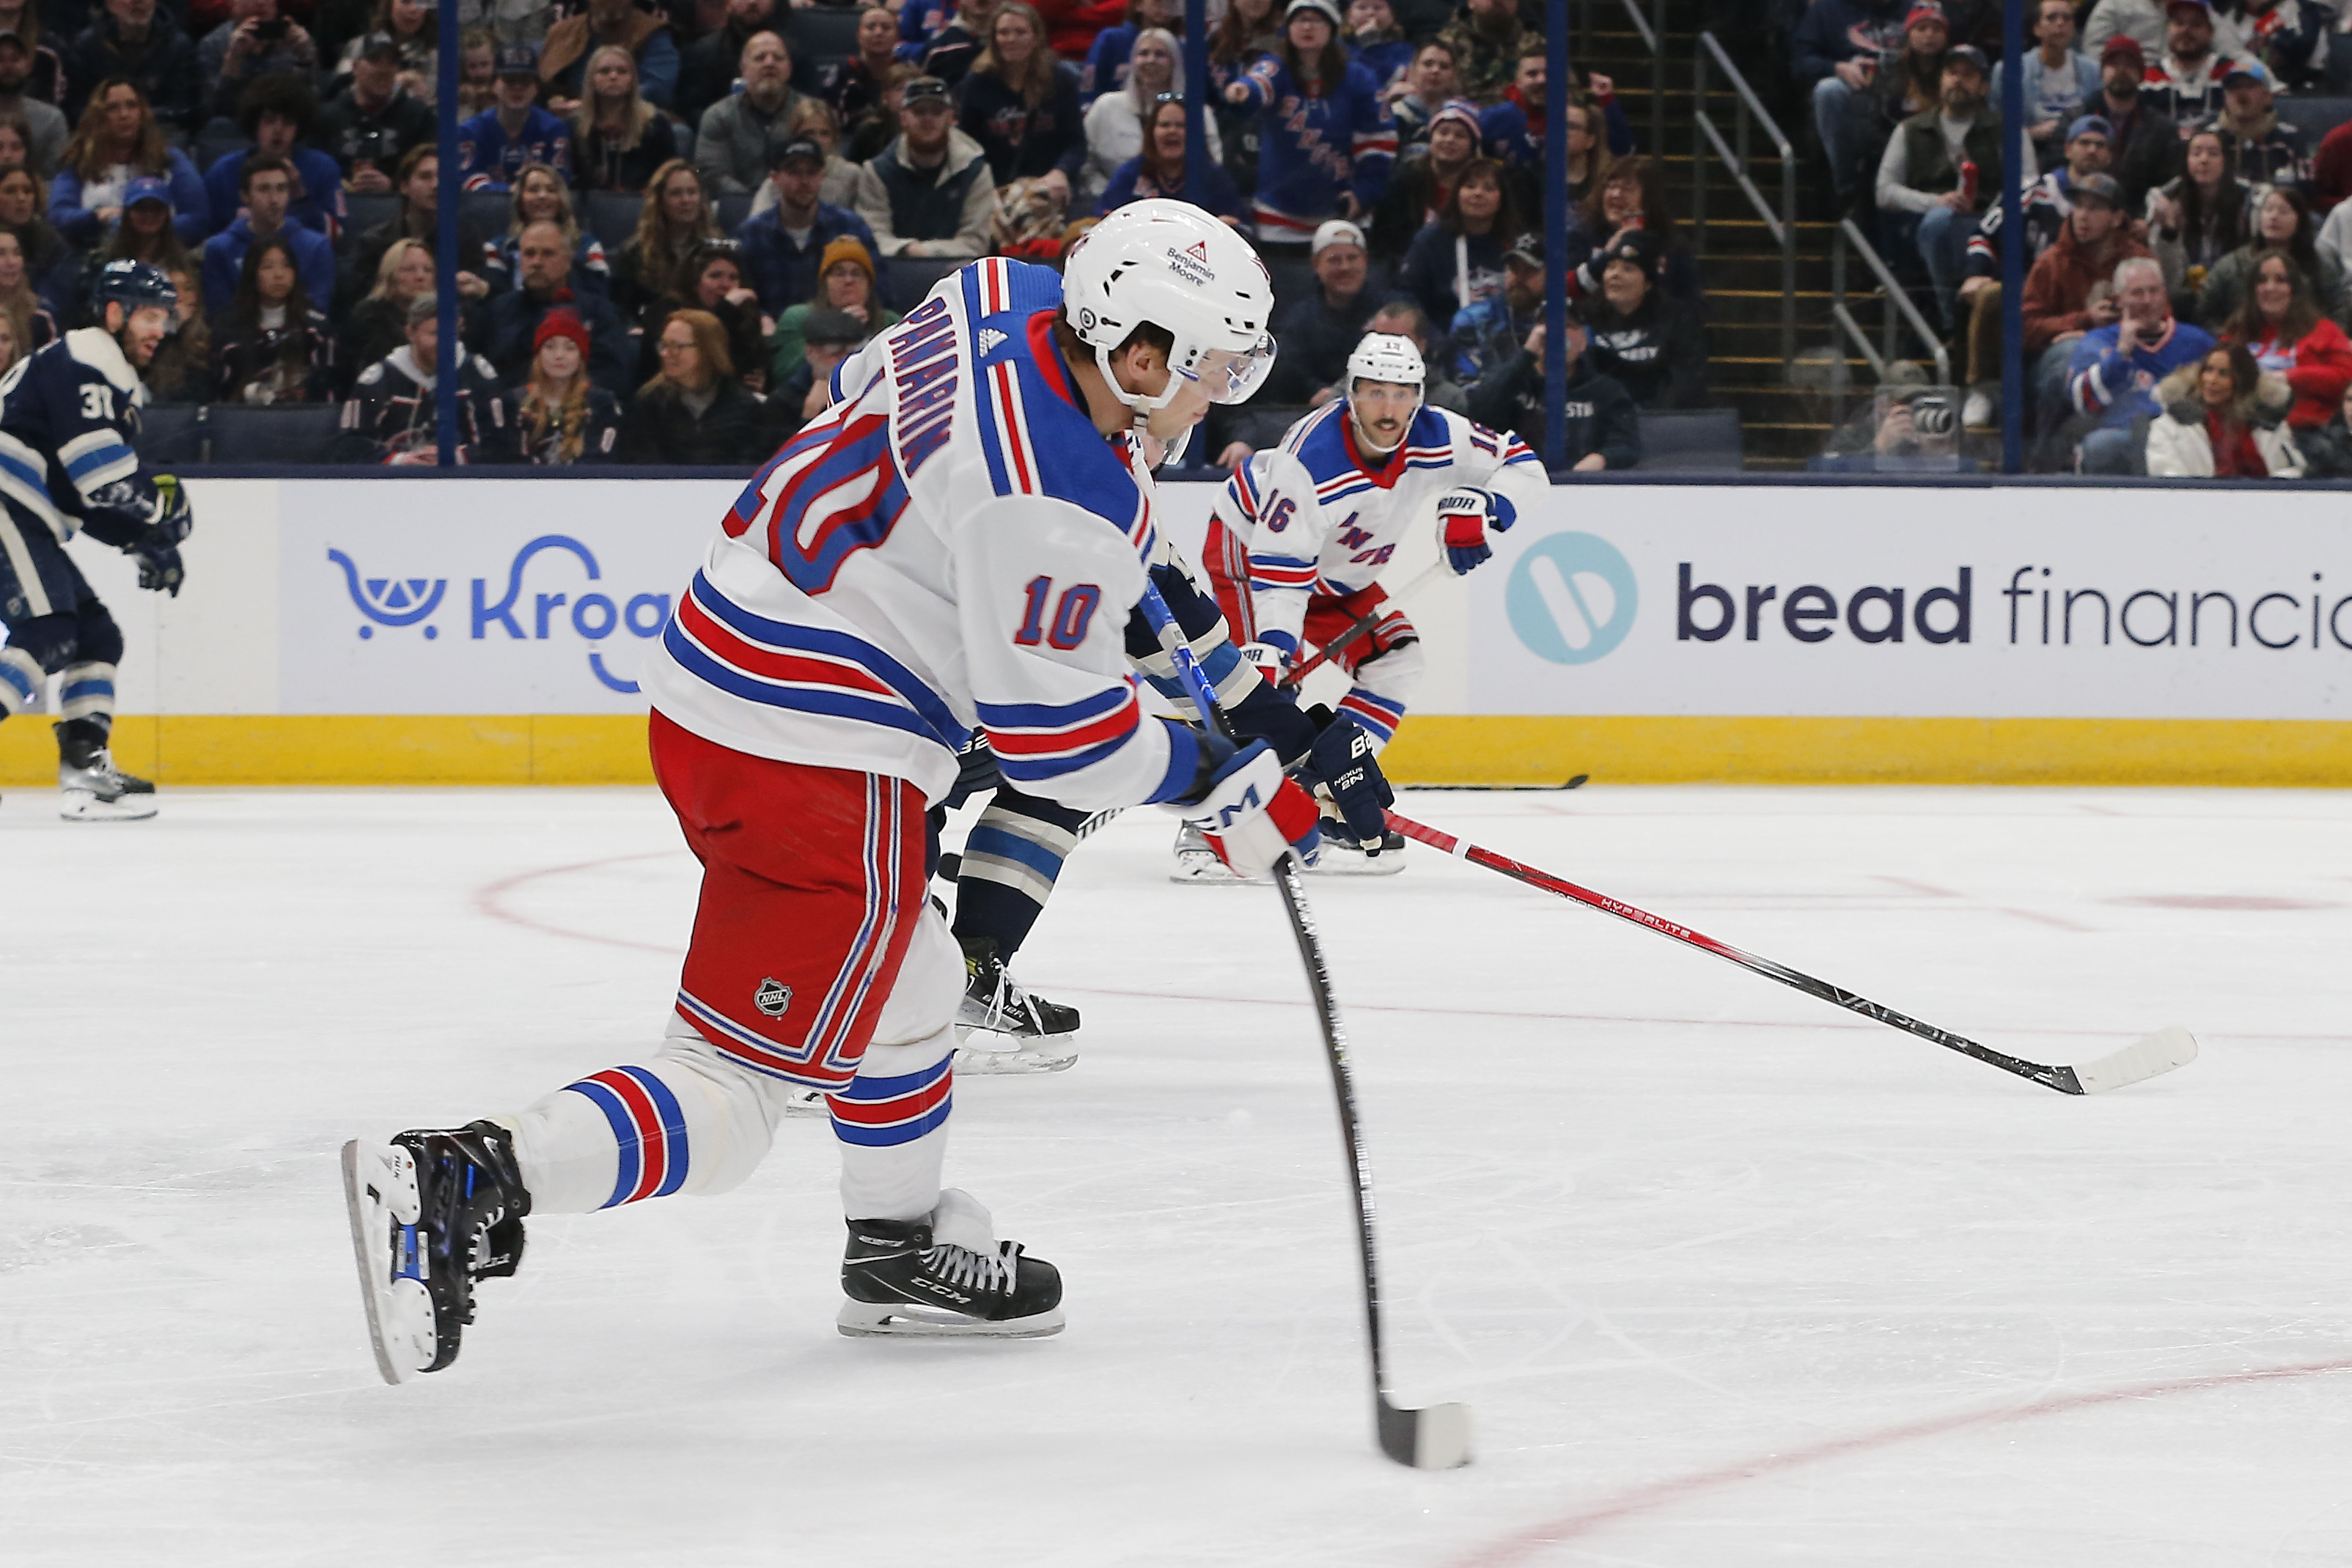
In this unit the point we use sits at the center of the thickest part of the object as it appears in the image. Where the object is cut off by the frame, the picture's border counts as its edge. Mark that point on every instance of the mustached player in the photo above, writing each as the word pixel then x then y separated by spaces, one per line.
pixel 68 415
pixel 1302 532
pixel 955 544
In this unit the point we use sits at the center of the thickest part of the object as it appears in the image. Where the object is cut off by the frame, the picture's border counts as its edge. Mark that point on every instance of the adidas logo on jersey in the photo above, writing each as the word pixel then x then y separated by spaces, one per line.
pixel 987 340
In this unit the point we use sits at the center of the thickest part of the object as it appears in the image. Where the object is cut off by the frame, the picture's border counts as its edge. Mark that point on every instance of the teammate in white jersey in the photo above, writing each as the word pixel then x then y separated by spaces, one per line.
pixel 1302 532
pixel 957 543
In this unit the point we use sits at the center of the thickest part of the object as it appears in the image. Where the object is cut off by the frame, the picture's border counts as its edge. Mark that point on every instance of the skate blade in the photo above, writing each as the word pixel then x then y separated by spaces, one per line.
pixel 1341 862
pixel 373 1190
pixel 806 1102
pixel 903 1319
pixel 1214 874
pixel 80 806
pixel 1054 1053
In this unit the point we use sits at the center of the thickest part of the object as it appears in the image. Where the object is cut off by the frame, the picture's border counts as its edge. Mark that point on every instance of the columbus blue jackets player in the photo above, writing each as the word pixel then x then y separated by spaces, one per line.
pixel 68 415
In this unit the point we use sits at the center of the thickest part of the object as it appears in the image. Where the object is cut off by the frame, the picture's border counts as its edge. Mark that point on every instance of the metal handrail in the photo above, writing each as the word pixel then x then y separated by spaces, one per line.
pixel 1900 299
pixel 1653 30
pixel 1783 228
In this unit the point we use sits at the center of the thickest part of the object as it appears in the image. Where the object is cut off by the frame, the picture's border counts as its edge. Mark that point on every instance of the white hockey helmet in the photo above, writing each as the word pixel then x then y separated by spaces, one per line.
pixel 1386 356
pixel 1170 264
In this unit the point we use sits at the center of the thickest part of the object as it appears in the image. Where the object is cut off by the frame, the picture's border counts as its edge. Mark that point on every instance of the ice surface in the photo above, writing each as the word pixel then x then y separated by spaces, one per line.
pixel 1727 1276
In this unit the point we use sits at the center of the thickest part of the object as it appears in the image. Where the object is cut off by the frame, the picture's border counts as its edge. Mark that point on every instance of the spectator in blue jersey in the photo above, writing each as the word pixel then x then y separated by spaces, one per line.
pixel 255 41
pixel 1514 129
pixel 278 112
pixel 265 189
pixel 1248 29
pixel 1320 331
pixel 1106 59
pixel 120 141
pixel 509 323
pixel 1457 260
pixel 949 49
pixel 541 197
pixel 1160 171
pixel 1020 103
pixel 610 24
pixel 1375 42
pixel 1602 426
pixel 273 347
pixel 783 246
pixel 2112 375
pixel 494 145
pixel 2062 83
pixel 370 125
pixel 1324 138
pixel 129 42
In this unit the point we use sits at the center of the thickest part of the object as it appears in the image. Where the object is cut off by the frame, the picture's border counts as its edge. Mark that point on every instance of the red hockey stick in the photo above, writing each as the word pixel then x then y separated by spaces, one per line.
pixel 2159 1052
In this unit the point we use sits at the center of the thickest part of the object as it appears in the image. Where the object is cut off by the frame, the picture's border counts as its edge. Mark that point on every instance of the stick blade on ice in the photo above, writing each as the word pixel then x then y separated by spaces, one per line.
pixel 1437 1438
pixel 2160 1053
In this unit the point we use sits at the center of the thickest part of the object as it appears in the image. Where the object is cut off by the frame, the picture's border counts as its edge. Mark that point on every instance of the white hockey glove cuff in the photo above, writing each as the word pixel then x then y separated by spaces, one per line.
pixel 1252 814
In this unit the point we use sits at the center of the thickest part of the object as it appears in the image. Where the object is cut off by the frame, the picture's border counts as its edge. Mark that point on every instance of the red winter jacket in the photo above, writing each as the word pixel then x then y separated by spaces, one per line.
pixel 2318 369
pixel 1071 25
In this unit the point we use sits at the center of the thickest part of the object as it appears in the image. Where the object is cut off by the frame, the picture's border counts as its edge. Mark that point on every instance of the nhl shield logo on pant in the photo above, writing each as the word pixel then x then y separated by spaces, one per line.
pixel 772 999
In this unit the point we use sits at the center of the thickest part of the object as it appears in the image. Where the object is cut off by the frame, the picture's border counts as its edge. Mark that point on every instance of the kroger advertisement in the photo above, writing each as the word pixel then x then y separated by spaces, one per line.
pixel 2022 603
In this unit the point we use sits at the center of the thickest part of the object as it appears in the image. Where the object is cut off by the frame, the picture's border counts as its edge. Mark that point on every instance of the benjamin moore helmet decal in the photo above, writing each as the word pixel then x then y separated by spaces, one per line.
pixel 1571 597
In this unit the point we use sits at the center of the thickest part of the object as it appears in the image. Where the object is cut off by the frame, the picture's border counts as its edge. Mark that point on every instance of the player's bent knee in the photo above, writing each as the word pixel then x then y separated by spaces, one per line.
pixel 50 641
pixel 1395 673
pixel 99 641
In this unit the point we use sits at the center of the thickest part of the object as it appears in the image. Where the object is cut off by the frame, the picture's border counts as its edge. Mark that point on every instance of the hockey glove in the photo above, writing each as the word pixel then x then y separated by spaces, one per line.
pixel 159 568
pixel 1252 815
pixel 174 516
pixel 1269 660
pixel 1463 518
pixel 1341 761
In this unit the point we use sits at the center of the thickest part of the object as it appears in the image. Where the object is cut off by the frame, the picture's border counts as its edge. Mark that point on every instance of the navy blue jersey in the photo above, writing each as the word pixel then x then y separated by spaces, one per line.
pixel 68 415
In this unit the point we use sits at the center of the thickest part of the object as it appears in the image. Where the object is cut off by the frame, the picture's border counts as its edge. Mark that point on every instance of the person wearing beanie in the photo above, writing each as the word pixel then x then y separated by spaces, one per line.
pixel 1425 179
pixel 392 416
pixel 1644 338
pixel 558 416
pixel 846 284
pixel 544 282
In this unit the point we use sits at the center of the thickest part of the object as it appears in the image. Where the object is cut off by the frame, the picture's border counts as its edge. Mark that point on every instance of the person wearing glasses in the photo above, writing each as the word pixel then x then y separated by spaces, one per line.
pixel 695 412
pixel 929 192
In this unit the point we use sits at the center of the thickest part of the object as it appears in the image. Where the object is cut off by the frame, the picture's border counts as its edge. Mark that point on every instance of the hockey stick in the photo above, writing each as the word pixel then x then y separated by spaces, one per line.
pixel 2159 1052
pixel 1362 626
pixel 1438 1437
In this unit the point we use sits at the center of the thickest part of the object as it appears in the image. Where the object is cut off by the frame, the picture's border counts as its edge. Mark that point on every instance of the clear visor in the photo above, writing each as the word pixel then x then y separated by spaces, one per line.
pixel 1229 376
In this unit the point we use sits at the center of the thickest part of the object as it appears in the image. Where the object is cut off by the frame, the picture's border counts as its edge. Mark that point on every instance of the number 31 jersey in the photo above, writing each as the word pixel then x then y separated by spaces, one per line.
pixel 951 545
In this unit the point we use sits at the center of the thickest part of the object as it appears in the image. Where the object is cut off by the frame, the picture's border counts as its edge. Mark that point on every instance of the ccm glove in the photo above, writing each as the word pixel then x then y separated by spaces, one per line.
pixel 1341 761
pixel 1252 814
pixel 1463 519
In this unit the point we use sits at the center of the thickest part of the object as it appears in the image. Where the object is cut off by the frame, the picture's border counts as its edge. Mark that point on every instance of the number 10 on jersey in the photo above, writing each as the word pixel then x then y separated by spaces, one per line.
pixel 1072 613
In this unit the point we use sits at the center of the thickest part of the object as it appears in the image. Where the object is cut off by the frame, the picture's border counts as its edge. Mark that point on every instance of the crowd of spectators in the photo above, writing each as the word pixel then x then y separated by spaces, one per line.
pixel 279 160
pixel 2186 286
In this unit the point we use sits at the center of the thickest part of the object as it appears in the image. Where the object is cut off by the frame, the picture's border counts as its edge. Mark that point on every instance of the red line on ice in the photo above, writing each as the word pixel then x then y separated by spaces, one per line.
pixel 1521 1545
pixel 488 901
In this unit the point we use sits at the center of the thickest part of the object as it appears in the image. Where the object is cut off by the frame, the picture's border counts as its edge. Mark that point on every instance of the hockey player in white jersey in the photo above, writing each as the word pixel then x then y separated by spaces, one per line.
pixel 956 544
pixel 1303 531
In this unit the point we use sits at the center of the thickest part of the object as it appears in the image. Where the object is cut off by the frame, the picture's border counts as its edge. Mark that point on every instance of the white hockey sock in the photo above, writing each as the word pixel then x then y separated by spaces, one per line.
pixel 892 1121
pixel 691 1121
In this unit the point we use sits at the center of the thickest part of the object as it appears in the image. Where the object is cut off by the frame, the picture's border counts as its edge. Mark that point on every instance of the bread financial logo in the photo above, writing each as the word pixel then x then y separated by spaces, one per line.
pixel 1571 597
pixel 772 999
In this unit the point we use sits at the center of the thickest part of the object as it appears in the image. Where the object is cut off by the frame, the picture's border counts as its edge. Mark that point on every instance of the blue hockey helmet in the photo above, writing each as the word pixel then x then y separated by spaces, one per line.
pixel 133 285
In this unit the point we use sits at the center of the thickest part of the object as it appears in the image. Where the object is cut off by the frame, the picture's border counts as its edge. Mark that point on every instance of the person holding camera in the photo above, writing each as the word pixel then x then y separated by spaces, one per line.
pixel 255 41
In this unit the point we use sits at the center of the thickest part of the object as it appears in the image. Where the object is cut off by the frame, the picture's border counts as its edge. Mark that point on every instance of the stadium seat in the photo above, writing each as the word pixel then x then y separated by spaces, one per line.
pixel 1294 278
pixel 169 434
pixel 240 433
pixel 1691 441
pixel 818 35
pixel 734 211
pixel 491 212
pixel 2339 60
pixel 2315 116
pixel 612 217
pixel 906 278
pixel 362 212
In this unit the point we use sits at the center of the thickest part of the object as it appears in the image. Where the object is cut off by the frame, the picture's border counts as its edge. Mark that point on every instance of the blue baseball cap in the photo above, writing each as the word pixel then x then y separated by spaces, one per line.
pixel 146 188
pixel 2250 70
pixel 2092 125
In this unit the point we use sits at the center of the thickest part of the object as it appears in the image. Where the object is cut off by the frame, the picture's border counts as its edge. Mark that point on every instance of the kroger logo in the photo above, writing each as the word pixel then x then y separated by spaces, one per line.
pixel 592 616
pixel 1571 597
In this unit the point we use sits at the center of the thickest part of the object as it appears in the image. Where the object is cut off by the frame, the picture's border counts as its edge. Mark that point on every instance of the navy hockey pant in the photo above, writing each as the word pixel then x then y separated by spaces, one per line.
pixel 56 624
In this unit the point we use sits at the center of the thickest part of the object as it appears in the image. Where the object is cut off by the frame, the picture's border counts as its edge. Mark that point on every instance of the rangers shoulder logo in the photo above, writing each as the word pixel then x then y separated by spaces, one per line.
pixel 772 999
pixel 987 340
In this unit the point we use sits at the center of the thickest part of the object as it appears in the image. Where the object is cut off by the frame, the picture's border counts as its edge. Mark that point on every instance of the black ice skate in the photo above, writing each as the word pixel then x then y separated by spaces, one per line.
pixel 431 1213
pixel 1001 1027
pixel 95 790
pixel 945 1277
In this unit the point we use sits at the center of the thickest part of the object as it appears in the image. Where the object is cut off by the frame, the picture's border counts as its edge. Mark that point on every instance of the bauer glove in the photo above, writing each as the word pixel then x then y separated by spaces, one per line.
pixel 1269 660
pixel 1342 763
pixel 1252 814
pixel 174 516
pixel 1463 519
